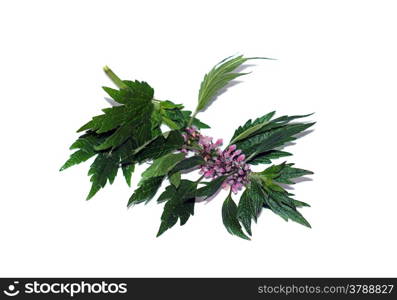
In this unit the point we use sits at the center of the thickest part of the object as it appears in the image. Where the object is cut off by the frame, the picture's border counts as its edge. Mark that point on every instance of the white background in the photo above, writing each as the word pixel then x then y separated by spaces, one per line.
pixel 335 58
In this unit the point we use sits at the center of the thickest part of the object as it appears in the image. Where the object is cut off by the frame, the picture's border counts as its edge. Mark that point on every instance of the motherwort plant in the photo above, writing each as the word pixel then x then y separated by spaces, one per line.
pixel 131 133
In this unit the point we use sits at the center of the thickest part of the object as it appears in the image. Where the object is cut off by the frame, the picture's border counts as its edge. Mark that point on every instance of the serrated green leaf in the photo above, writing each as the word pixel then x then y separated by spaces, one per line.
pixel 289 173
pixel 245 211
pixel 146 191
pixel 175 178
pixel 138 127
pixel 211 188
pixel 122 96
pixel 267 157
pixel 229 217
pixel 103 169
pixel 251 127
pixel 86 144
pixel 160 146
pixel 218 78
pixel 118 137
pixel 161 166
pixel 265 118
pixel 248 132
pixel 179 206
pixel 182 117
pixel 171 124
pixel 200 125
pixel 284 197
pixel 285 211
pixel 156 122
pixel 187 163
pixel 77 158
pixel 274 203
pixel 250 204
pixel 128 169
pixel 298 203
pixel 269 140
pixel 167 104
pixel 140 89
pixel 168 193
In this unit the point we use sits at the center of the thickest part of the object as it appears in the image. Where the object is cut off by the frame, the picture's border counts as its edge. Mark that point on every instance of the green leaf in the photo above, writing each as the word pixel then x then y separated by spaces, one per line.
pixel 289 173
pixel 195 122
pixel 285 211
pixel 269 140
pixel 251 127
pixel 187 163
pixel 282 173
pixel 123 96
pixel 86 145
pixel 168 193
pixel 76 158
pixel 170 105
pixel 248 132
pixel 175 118
pixel 111 119
pixel 103 169
pixel 180 206
pixel 162 165
pixel 140 89
pixel 267 157
pixel 211 188
pixel 156 122
pixel 128 169
pixel 146 191
pixel 160 146
pixel 250 204
pixel 284 197
pixel 106 163
pixel 175 179
pixel 229 217
pixel 138 127
pixel 200 125
pixel 245 211
pixel 218 78
pixel 118 137
pixel 298 203
pixel 171 124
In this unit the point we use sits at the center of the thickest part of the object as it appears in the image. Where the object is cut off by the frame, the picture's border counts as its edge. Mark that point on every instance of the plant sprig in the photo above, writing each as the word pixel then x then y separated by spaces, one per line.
pixel 132 133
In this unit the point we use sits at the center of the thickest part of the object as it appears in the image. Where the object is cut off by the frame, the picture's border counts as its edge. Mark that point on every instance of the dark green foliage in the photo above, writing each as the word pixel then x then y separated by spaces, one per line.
pixel 103 169
pixel 86 145
pixel 182 117
pixel 218 78
pixel 146 191
pixel 283 173
pixel 161 166
pixel 130 134
pixel 211 188
pixel 229 217
pixel 250 204
pixel 119 136
pixel 160 146
pixel 250 127
pixel 179 205
pixel 267 157
pixel 271 135
pixel 187 163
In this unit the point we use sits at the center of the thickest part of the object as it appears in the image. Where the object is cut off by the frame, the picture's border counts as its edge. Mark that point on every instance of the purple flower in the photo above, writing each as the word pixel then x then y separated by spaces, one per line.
pixel 230 161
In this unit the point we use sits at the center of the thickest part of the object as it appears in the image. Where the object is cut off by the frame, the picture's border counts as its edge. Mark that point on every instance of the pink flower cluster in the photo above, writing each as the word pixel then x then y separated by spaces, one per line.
pixel 217 162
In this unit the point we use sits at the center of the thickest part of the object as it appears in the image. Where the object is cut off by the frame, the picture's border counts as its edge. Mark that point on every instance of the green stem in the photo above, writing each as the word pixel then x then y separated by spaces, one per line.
pixel 113 77
pixel 191 118
pixel 198 180
pixel 250 157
